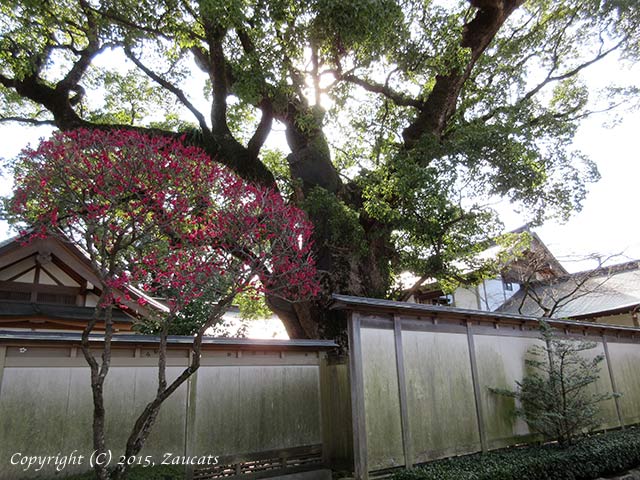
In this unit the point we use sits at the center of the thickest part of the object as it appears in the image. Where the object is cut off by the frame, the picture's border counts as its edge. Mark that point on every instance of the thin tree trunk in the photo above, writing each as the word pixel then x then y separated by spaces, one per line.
pixel 98 375
pixel 145 422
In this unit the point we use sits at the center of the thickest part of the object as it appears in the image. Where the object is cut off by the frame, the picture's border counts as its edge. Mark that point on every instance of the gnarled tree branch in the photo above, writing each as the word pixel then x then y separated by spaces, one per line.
pixel 441 102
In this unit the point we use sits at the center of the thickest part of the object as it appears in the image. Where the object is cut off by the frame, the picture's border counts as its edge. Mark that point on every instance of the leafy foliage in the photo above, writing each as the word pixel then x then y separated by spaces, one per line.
pixel 336 223
pixel 415 116
pixel 594 457
pixel 555 397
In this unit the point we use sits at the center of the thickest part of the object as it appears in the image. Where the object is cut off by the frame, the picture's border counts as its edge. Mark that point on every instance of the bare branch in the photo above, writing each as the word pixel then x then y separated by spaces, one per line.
pixel 550 78
pixel 573 72
pixel 27 120
pixel 553 294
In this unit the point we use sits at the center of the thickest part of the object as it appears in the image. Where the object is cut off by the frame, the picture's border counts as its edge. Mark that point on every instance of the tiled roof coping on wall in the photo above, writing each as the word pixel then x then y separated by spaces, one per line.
pixel 173 340
pixel 374 305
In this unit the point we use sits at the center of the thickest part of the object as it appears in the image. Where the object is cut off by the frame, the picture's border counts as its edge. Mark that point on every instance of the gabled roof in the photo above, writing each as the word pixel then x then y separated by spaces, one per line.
pixel 76 265
pixel 542 254
pixel 605 291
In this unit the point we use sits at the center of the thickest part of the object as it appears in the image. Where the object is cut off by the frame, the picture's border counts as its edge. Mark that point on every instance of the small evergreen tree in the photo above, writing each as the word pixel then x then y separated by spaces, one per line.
pixel 555 400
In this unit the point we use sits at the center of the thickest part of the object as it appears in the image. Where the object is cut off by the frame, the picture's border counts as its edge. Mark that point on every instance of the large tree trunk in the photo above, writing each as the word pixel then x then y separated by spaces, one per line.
pixel 367 274
pixel 357 270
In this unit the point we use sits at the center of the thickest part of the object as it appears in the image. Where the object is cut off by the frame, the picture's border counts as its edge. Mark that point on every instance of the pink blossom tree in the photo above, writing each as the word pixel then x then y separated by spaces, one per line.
pixel 151 212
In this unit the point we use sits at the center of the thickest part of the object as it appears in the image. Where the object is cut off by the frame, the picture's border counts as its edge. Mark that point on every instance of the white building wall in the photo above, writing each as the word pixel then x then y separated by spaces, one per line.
pixel 487 296
pixel 466 297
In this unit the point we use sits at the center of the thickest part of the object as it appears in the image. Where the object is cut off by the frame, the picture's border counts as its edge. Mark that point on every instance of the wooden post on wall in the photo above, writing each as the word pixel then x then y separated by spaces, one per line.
pixel 402 391
pixel 3 353
pixel 190 420
pixel 476 388
pixel 357 399
pixel 613 380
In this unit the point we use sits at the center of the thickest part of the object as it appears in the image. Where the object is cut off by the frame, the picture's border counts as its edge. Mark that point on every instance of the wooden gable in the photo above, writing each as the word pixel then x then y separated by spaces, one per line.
pixel 50 284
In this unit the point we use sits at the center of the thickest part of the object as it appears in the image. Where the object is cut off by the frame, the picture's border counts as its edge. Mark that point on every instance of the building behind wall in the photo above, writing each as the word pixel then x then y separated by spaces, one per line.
pixel 604 295
pixel 491 293
pixel 49 284
pixel 536 284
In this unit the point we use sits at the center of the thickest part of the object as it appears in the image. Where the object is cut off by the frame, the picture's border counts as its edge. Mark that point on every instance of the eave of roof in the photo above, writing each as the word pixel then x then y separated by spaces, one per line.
pixel 66 312
pixel 631 308
pixel 82 256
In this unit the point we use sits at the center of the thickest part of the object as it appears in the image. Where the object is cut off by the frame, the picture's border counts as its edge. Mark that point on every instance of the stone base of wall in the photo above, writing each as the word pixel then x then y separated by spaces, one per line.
pixel 320 474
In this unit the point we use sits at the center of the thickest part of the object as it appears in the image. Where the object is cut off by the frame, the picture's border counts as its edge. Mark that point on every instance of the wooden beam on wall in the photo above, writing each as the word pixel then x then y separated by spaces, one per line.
pixel 613 380
pixel 357 399
pixel 402 391
pixel 476 388
pixel 3 354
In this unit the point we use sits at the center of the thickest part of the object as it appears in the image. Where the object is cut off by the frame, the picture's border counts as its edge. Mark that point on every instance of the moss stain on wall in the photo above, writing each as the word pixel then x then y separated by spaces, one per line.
pixel 381 398
pixel 440 399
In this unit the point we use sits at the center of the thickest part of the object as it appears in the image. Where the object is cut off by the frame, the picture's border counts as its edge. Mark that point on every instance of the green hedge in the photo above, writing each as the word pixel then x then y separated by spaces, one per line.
pixel 595 456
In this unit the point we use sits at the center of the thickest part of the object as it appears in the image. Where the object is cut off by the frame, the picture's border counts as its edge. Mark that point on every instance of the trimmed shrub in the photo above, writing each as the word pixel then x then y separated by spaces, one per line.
pixel 556 395
pixel 595 456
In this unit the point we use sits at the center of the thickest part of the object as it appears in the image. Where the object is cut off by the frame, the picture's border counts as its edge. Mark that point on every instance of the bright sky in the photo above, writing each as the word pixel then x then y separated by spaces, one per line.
pixel 607 224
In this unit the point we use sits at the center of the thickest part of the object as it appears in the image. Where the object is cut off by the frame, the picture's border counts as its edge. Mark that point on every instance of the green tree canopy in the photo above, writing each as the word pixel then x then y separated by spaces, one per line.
pixel 404 119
